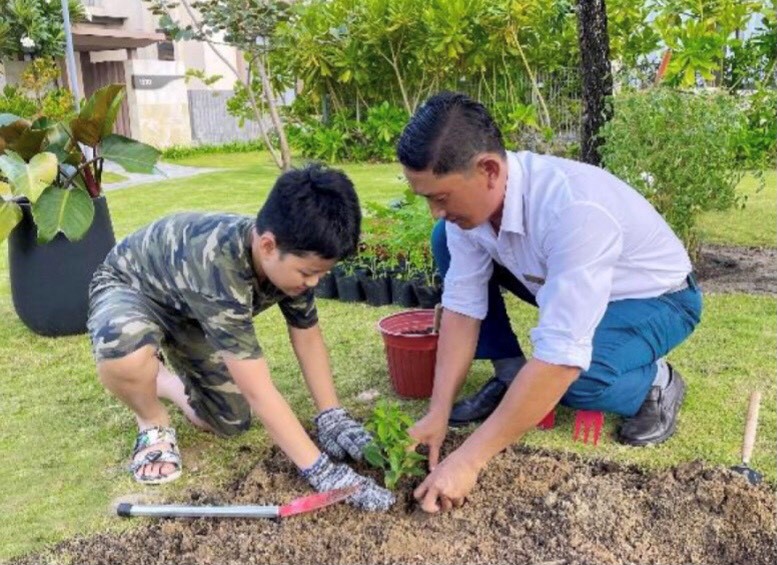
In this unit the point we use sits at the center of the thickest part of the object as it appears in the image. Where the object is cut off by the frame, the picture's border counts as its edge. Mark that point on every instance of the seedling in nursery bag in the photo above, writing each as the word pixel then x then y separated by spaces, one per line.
pixel 389 447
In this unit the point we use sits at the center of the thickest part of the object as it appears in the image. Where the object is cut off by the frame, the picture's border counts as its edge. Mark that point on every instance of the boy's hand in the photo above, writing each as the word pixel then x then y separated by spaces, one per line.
pixel 339 434
pixel 324 475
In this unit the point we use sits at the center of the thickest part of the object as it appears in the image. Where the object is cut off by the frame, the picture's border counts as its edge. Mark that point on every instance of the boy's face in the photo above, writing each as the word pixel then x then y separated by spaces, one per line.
pixel 292 274
pixel 467 198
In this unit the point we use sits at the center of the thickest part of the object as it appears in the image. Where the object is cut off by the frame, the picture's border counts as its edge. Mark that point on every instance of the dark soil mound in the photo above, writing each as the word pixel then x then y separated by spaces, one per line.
pixel 530 507
pixel 738 269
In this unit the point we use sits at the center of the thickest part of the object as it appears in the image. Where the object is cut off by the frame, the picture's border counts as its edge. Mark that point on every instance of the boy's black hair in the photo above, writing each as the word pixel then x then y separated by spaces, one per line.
pixel 446 132
pixel 313 210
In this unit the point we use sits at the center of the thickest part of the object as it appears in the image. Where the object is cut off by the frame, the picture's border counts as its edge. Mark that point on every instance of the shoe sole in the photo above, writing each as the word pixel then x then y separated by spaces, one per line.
pixel 662 438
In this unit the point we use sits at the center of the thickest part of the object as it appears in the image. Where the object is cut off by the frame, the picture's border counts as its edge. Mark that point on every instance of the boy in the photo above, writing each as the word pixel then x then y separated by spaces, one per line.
pixel 188 286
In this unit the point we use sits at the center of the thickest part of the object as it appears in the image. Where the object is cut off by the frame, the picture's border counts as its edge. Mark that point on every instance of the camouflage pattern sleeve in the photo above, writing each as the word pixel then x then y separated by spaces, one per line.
pixel 228 326
pixel 300 311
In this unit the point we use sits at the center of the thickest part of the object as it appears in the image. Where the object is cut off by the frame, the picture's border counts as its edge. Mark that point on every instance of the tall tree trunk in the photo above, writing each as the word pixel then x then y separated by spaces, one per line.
pixel 596 74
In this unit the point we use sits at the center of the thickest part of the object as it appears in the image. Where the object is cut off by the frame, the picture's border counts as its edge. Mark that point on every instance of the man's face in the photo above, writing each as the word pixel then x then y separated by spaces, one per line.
pixel 292 274
pixel 467 198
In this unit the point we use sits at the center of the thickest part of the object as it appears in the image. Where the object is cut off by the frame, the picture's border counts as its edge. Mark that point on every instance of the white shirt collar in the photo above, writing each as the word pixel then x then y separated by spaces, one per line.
pixel 512 211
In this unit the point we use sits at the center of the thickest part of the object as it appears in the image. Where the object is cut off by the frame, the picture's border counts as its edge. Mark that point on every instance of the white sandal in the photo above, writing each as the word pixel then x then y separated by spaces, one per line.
pixel 150 437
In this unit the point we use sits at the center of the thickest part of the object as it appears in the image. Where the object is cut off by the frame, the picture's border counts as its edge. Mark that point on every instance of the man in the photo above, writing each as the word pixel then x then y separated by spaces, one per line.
pixel 612 282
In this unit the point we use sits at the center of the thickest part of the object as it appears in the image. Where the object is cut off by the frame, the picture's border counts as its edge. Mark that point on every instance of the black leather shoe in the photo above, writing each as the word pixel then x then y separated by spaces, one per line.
pixel 657 417
pixel 479 406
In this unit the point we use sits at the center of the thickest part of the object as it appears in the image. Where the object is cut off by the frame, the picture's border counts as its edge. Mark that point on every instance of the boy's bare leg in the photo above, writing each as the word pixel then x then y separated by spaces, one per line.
pixel 139 380
pixel 171 388
pixel 132 379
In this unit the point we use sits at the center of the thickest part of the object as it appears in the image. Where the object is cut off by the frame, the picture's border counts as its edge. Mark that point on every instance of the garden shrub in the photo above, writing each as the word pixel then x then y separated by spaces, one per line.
pixel 679 150
pixel 14 101
pixel 344 138
pixel 759 147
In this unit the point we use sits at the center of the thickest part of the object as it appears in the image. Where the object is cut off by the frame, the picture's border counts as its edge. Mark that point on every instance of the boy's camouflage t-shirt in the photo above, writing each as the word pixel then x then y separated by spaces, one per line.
pixel 198 268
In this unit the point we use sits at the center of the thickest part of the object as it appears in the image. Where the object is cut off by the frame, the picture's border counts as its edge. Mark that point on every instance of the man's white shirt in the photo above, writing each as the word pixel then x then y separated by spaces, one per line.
pixel 577 237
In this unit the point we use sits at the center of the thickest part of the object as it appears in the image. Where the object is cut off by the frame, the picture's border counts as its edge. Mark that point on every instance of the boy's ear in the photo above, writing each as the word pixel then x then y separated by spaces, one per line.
pixel 266 243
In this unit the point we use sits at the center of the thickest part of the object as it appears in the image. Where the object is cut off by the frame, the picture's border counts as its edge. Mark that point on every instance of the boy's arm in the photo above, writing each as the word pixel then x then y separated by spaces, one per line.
pixel 309 347
pixel 338 433
pixel 252 377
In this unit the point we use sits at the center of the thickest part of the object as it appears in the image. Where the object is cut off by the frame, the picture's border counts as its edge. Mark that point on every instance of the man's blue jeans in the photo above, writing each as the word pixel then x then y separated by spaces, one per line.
pixel 632 335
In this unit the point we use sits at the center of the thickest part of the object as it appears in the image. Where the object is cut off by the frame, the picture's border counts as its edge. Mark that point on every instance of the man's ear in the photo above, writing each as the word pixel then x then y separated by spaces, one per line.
pixel 490 165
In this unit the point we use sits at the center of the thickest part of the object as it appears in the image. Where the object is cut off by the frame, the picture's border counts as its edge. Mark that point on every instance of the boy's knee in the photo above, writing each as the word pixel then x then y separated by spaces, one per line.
pixel 140 365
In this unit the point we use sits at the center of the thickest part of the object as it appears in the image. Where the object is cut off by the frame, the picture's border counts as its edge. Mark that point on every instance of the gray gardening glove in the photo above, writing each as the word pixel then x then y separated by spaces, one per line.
pixel 339 434
pixel 324 475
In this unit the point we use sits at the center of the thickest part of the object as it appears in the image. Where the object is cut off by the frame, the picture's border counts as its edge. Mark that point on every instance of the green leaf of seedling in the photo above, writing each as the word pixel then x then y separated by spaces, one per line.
pixel 374 456
pixel 29 179
pixel 67 211
pixel 10 216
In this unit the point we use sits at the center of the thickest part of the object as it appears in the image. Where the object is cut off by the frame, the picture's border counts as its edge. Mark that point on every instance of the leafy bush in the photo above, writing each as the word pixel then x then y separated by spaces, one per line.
pixel 389 447
pixel 759 147
pixel 14 101
pixel 679 150
pixel 346 139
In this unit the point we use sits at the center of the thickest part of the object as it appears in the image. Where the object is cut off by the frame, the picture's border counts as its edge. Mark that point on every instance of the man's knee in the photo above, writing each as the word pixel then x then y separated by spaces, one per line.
pixel 440 243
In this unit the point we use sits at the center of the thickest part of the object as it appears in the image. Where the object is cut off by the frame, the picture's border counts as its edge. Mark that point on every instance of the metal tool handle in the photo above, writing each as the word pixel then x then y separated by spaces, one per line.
pixel 127 510
pixel 437 318
pixel 751 425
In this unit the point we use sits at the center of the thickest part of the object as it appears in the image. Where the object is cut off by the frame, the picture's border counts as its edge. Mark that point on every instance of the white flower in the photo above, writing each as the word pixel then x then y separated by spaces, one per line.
pixel 27 42
pixel 648 178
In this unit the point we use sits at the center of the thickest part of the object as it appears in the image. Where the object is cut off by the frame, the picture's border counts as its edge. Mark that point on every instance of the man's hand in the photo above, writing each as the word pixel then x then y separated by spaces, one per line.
pixel 339 434
pixel 448 485
pixel 325 475
pixel 431 431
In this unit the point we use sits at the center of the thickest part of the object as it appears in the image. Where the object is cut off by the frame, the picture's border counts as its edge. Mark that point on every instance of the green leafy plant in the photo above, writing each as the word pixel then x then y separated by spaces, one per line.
pixel 14 101
pixel 45 163
pixel 680 150
pixel 35 27
pixel 389 449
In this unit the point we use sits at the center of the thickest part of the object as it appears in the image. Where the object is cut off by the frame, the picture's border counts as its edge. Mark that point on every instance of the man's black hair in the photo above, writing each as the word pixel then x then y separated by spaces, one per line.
pixel 446 132
pixel 313 210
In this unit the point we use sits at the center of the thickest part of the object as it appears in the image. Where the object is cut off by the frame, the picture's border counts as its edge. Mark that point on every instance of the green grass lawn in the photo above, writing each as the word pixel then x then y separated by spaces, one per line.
pixel 755 225
pixel 110 178
pixel 65 442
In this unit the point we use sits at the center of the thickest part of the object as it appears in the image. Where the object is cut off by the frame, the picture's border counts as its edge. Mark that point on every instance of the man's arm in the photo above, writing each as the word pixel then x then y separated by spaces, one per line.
pixel 538 388
pixel 252 377
pixel 455 351
pixel 309 347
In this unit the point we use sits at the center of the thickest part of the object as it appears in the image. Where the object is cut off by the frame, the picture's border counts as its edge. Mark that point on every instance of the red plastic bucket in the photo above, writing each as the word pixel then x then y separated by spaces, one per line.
pixel 411 350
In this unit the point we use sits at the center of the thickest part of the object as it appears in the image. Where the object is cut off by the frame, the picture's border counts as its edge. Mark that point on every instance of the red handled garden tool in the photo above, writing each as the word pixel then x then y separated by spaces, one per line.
pixel 751 425
pixel 588 423
pixel 298 506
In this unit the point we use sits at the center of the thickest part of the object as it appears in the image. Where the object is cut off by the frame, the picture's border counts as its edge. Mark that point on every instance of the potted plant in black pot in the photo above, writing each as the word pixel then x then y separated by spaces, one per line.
pixel 413 239
pixel 349 289
pixel 53 210
pixel 375 256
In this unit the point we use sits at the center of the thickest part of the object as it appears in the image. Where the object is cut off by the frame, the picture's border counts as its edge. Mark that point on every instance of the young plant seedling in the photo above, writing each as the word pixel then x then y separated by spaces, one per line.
pixel 389 448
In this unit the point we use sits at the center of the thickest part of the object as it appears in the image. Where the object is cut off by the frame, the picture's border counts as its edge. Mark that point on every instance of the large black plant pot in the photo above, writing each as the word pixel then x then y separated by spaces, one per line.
pixel 50 282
